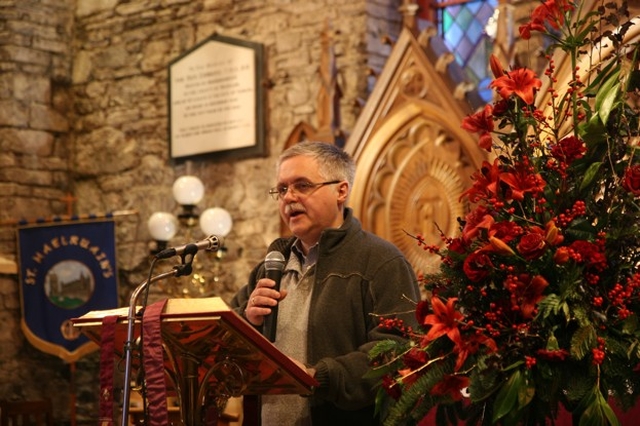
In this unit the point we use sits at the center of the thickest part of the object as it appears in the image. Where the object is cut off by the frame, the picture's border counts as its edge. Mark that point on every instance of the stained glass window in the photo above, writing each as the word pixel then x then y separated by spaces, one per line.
pixel 466 29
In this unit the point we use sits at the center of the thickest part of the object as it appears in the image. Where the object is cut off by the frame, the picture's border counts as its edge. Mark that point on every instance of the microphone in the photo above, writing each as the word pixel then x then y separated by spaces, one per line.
pixel 211 243
pixel 273 265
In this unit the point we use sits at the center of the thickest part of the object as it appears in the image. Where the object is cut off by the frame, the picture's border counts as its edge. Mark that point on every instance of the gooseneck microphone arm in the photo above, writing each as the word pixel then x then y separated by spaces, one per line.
pixel 187 253
pixel 128 346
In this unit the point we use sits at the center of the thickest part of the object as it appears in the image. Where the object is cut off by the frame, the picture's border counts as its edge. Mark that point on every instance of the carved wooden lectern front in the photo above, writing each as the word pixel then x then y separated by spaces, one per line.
pixel 210 355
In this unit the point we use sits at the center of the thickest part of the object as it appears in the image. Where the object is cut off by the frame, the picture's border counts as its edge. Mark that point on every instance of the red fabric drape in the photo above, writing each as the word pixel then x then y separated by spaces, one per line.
pixel 106 369
pixel 153 360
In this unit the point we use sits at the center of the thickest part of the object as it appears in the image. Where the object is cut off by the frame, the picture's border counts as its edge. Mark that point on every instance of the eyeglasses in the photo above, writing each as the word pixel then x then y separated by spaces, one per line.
pixel 302 187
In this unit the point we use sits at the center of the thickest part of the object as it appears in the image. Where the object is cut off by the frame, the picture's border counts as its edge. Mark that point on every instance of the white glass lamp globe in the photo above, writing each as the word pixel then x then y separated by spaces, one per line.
pixel 188 190
pixel 216 221
pixel 162 226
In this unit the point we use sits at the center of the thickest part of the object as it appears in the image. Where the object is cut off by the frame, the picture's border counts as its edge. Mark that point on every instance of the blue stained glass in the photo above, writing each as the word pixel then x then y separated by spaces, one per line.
pixel 485 12
pixel 465 18
pixel 465 47
pixel 463 29
pixel 474 6
pixel 454 10
pixel 485 92
pixel 455 35
pixel 475 31
pixel 477 63
pixel 447 20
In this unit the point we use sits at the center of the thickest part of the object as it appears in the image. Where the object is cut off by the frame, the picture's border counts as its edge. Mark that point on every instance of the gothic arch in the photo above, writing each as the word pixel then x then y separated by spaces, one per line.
pixel 414 161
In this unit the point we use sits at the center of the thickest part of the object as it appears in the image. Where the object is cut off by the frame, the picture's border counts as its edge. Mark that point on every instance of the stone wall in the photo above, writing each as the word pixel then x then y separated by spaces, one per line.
pixel 36 54
pixel 83 111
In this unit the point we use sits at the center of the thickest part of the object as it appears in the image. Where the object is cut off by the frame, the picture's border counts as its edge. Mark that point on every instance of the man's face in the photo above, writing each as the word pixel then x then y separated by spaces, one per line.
pixel 308 214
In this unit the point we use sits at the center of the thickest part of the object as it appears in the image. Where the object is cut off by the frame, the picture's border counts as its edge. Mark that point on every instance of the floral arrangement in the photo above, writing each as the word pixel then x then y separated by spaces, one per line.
pixel 536 305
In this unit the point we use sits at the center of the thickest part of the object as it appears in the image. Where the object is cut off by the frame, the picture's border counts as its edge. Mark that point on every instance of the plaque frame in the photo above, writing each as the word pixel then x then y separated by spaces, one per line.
pixel 216 96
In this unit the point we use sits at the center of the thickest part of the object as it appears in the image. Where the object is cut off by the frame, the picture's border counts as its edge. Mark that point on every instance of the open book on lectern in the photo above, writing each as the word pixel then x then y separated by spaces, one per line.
pixel 209 331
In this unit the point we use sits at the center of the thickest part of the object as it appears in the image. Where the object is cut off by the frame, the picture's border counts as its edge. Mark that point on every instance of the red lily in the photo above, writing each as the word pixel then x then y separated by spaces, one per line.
pixel 451 385
pixel 522 181
pixel 471 345
pixel 482 123
pixel 485 183
pixel 476 221
pixel 496 66
pixel 443 321
pixel 551 12
pixel 526 292
pixel 525 30
pixel 522 82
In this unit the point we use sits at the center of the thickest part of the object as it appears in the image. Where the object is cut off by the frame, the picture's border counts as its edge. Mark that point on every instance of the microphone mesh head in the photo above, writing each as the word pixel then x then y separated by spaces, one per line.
pixel 215 242
pixel 274 261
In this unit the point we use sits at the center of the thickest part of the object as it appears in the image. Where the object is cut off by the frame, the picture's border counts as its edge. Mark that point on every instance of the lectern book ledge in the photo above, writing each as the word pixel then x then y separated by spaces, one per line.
pixel 223 343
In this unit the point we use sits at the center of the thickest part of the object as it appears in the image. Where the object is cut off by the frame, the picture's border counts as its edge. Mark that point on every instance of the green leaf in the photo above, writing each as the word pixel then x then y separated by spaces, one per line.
pixel 384 347
pixel 508 396
pixel 592 131
pixel 604 74
pixel 598 413
pixel 581 229
pixel 590 175
pixel 381 397
pixel 566 311
pixel 549 305
pixel 608 104
pixel 582 341
pixel 630 325
pixel 607 96
pixel 527 391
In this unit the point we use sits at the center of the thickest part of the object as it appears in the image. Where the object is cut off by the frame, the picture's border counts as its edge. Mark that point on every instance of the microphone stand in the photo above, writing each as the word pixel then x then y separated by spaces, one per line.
pixel 177 271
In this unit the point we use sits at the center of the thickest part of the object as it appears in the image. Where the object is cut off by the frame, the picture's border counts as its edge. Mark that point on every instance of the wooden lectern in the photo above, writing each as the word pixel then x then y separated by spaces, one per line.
pixel 210 355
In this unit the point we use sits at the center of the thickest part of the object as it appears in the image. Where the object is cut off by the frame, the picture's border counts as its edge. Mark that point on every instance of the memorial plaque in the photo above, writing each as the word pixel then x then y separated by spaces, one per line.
pixel 216 100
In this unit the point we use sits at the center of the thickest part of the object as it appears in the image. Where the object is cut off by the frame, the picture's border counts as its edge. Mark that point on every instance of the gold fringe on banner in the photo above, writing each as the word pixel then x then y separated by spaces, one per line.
pixel 9 266
pixel 67 218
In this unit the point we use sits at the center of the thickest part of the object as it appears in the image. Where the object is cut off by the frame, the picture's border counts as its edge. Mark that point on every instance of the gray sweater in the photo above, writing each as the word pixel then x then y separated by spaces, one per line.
pixel 357 274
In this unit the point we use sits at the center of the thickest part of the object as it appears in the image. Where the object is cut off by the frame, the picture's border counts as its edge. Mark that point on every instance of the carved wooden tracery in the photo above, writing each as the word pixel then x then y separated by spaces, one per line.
pixel 414 161
pixel 413 185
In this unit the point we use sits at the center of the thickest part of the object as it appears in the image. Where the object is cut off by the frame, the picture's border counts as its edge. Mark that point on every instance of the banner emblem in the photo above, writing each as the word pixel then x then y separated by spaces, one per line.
pixel 66 270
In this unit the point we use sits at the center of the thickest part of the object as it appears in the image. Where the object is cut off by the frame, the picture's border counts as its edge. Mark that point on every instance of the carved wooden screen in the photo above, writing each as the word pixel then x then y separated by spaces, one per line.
pixel 414 161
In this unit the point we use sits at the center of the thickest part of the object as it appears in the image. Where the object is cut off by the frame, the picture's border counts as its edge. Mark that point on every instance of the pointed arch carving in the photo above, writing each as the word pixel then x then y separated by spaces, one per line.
pixel 409 181
pixel 413 159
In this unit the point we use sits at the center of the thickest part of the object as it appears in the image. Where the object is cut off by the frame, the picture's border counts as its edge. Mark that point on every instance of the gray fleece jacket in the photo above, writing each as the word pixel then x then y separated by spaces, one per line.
pixel 357 274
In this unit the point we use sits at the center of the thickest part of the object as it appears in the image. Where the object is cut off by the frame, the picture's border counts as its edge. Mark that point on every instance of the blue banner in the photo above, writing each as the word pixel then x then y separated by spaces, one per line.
pixel 66 270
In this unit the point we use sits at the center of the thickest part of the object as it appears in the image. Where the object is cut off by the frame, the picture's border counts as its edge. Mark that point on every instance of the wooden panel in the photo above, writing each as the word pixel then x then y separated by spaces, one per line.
pixel 413 159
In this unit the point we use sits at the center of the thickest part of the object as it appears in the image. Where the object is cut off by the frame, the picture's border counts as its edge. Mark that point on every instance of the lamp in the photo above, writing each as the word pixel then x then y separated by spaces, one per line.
pixel 163 226
pixel 188 191
pixel 216 221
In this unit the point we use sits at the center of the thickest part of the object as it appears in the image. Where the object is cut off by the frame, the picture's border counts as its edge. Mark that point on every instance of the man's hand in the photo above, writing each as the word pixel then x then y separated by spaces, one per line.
pixel 310 370
pixel 262 299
